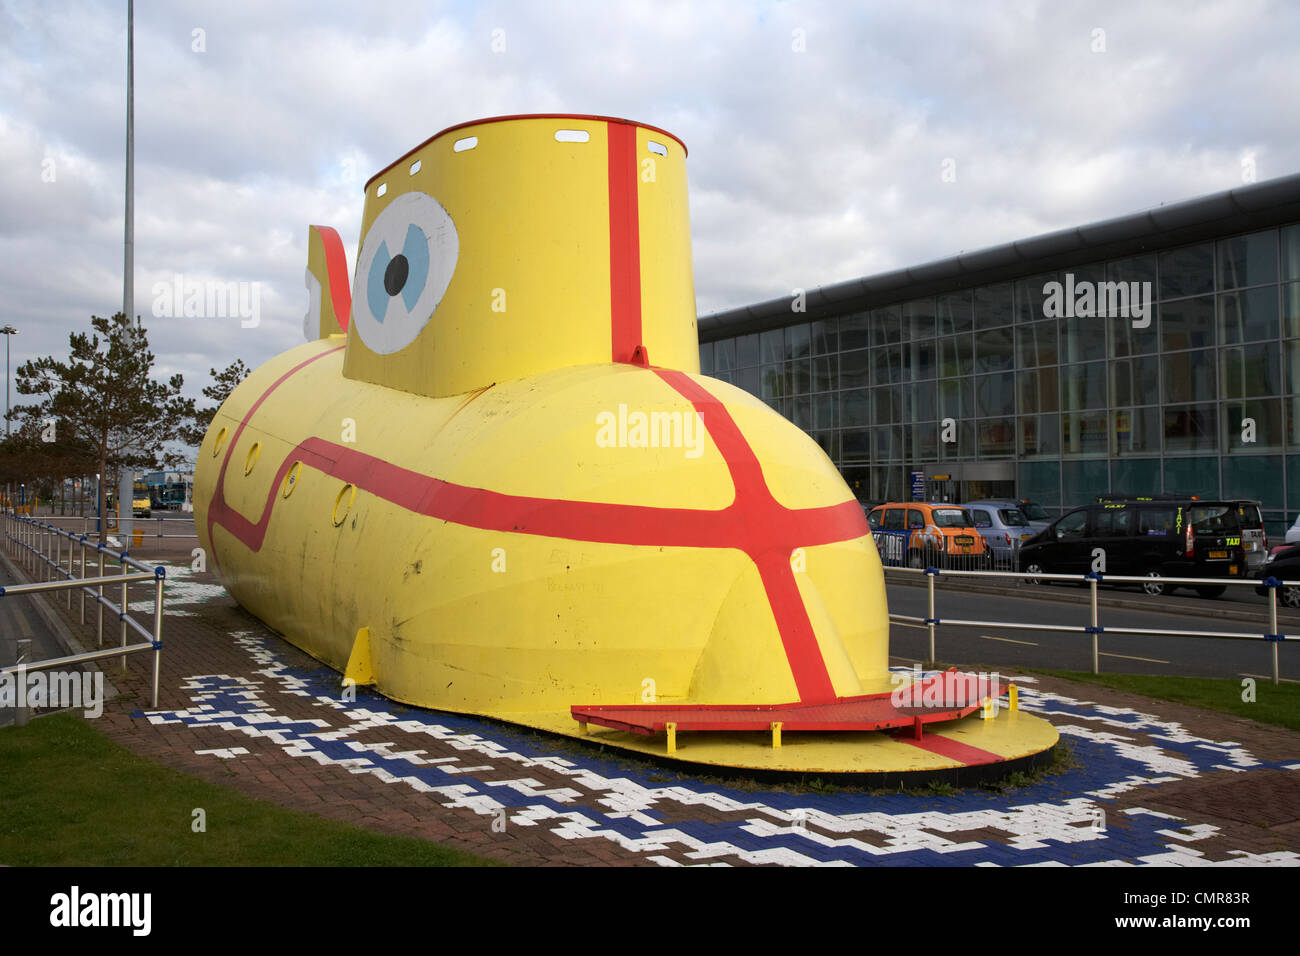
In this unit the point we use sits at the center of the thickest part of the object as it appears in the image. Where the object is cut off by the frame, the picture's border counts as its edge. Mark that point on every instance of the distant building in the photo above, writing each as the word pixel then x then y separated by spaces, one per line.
pixel 1038 368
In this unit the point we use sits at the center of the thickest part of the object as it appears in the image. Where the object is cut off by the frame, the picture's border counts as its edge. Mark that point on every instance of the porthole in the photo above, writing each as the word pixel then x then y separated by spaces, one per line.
pixel 469 142
pixel 572 136
pixel 219 443
pixel 251 458
pixel 343 504
pixel 290 479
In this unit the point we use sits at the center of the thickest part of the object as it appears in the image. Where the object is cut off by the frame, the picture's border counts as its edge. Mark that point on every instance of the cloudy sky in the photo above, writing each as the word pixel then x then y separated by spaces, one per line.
pixel 819 133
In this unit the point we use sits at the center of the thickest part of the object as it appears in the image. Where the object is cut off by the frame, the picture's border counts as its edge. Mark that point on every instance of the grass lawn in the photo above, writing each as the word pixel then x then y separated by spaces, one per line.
pixel 1278 705
pixel 72 797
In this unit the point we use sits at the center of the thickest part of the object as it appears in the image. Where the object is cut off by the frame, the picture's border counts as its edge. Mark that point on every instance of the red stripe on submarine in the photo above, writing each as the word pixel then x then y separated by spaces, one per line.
pixel 493 481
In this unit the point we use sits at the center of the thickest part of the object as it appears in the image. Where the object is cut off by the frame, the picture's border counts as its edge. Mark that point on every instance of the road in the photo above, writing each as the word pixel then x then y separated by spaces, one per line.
pixel 1134 654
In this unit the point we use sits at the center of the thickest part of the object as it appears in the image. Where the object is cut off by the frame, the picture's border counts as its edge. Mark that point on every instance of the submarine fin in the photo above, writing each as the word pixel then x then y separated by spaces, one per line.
pixel 330 304
pixel 360 670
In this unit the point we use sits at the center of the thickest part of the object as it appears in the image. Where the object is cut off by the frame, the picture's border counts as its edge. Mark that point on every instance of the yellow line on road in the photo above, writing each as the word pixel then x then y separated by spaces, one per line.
pixel 1009 640
pixel 1149 660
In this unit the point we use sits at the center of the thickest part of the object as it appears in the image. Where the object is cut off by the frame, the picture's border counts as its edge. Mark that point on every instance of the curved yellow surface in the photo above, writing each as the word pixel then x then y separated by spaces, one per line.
pixel 505 490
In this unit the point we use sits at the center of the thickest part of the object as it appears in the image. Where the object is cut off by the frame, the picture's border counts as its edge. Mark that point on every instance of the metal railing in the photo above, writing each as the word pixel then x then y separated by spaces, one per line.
pixel 1094 627
pixel 138 525
pixel 39 549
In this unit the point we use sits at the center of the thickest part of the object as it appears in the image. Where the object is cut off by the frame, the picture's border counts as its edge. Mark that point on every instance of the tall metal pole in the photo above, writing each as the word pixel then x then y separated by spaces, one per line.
pixel 124 498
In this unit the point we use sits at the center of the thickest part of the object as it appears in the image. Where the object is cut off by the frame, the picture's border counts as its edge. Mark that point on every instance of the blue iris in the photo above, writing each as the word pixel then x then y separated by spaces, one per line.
pixel 404 274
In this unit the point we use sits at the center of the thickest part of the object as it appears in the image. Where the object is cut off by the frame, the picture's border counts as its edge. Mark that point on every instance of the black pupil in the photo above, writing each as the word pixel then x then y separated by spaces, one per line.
pixel 395 274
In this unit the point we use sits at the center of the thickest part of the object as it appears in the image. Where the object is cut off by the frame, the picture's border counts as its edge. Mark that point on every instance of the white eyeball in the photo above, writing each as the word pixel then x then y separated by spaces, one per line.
pixel 405 266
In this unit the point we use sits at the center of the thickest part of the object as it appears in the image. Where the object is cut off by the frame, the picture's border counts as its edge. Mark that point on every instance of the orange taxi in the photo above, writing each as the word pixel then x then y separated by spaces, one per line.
pixel 921 534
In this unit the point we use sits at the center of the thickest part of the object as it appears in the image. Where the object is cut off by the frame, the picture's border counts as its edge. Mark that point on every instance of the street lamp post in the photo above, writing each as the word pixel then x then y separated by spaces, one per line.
pixel 8 332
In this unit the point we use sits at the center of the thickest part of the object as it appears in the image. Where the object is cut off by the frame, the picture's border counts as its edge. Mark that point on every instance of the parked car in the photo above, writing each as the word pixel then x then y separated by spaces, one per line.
pixel 1035 512
pixel 1293 532
pixel 1252 533
pixel 1283 564
pixel 1003 527
pixel 928 534
pixel 1165 538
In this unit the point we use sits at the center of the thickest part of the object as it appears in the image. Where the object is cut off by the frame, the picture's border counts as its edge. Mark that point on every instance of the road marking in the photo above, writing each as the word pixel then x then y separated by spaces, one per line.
pixel 1009 640
pixel 1285 680
pixel 1149 660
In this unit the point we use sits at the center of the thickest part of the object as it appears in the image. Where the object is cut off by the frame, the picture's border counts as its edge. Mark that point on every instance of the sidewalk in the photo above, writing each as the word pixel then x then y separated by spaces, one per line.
pixel 1147 781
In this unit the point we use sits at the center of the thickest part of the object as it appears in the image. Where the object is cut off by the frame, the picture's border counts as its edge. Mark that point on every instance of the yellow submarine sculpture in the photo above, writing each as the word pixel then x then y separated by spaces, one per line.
pixel 494 482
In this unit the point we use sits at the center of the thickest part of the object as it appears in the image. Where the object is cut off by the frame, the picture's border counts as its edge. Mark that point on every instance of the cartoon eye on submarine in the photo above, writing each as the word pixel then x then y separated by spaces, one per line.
pixel 493 481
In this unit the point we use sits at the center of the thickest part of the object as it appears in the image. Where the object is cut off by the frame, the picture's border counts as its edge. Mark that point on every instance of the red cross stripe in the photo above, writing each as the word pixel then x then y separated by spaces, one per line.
pixel 754 523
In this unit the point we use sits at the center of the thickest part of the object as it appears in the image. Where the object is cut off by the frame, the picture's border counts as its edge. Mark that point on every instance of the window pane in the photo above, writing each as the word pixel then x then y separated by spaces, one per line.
pixel 955 356
pixel 1135 381
pixel 888 364
pixel 1189 476
pixel 1039 436
pixel 1134 269
pixel 1257 477
pixel 799 375
pixel 886 406
pixel 918 319
pixel 1249 370
pixel 1248 260
pixel 1083 386
pixel 919 359
pixel 1291 309
pixel 955 398
pixel 1189 376
pixel 823 411
pixel 1127 340
pixel 1036 391
pixel 1029 296
pixel 796 341
pixel 772 345
pixel 802 412
pixel 1187 325
pixel 1083 338
pixel 1036 344
pixel 706 358
pixel 954 312
pixel 855 444
pixel 1085 434
pixel 724 355
pixel 748 379
pixel 1136 431
pixel 855 407
pixel 825 378
pixel 993 305
pixel 773 382
pixel 747 350
pixel 1191 428
pixel 1290 243
pixel 963 445
pixel 1135 476
pixel 886 326
pixel 993 350
pixel 922 401
pixel 1252 426
pixel 995 396
pixel 1082 482
pixel 995 437
pixel 855 368
pixel 1040 482
pixel 1187 271
pixel 825 336
pixel 853 331
pixel 924 437
pixel 1248 316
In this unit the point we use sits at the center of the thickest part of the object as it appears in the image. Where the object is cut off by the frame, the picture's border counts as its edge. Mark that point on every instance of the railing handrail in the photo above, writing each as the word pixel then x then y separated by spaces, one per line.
pixel 27 535
pixel 1095 628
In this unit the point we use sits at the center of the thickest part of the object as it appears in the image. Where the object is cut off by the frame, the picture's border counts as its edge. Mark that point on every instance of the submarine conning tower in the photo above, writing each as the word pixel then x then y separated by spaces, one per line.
pixel 513 245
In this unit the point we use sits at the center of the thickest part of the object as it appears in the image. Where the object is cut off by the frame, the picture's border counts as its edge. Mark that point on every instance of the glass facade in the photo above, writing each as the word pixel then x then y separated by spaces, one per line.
pixel 1073 389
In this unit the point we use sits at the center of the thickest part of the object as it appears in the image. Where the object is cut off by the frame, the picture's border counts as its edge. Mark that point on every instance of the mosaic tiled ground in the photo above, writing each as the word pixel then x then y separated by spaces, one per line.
pixel 1147 782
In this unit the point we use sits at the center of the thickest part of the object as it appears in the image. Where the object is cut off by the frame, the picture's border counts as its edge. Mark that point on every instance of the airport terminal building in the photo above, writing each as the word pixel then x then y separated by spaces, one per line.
pixel 1156 352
